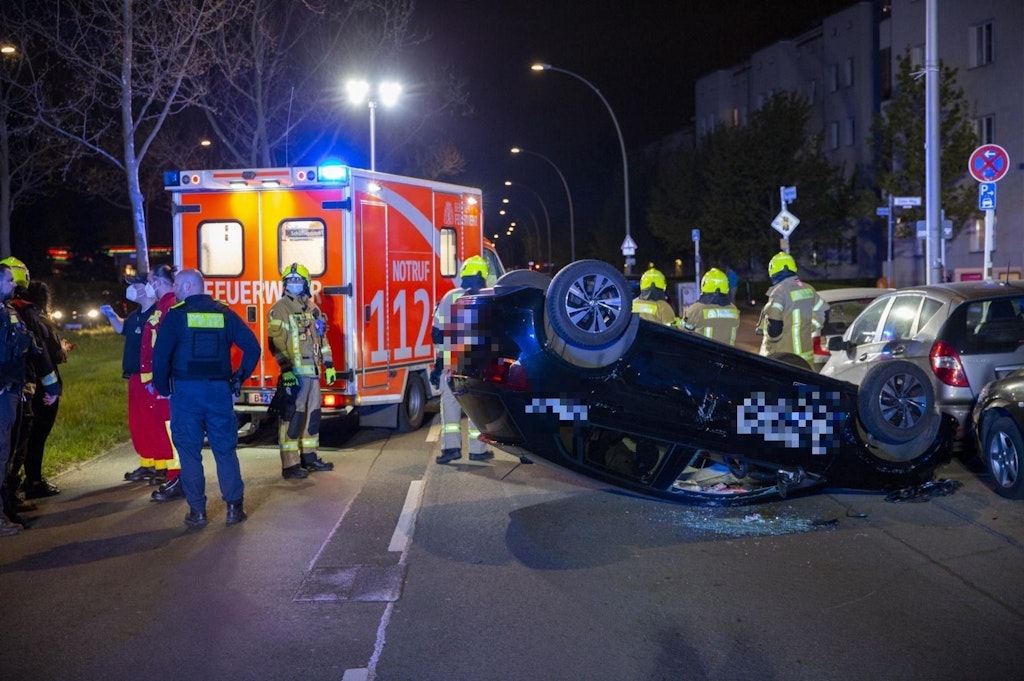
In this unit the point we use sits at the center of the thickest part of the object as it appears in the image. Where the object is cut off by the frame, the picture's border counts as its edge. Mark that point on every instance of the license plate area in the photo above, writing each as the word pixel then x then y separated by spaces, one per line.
pixel 259 397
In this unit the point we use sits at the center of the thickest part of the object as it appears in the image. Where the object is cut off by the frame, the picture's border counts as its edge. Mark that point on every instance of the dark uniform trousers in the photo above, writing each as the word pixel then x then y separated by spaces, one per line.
pixel 205 408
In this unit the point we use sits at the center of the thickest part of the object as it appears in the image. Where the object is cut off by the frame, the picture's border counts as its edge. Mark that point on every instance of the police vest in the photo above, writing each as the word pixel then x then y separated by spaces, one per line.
pixel 204 347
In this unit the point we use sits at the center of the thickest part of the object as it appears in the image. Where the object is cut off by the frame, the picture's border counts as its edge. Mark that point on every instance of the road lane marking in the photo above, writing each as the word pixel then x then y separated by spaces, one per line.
pixel 407 518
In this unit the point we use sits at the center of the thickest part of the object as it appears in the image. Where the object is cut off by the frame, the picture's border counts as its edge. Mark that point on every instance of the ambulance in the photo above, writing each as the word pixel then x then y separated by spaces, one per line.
pixel 381 251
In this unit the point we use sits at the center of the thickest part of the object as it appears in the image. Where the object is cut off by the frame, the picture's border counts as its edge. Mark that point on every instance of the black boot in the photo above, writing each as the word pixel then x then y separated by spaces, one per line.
pixel 295 472
pixel 313 463
pixel 448 455
pixel 196 519
pixel 11 506
pixel 169 491
pixel 235 513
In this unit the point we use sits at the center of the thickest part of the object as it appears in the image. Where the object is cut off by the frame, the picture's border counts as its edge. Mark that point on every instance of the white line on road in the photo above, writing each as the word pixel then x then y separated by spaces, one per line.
pixel 403 529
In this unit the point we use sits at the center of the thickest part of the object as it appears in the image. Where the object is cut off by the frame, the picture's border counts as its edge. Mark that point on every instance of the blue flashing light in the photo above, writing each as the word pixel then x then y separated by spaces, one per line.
pixel 172 178
pixel 334 172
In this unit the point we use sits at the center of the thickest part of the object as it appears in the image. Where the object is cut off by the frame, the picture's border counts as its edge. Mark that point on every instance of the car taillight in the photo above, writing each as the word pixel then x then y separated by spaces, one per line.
pixel 819 348
pixel 508 373
pixel 946 365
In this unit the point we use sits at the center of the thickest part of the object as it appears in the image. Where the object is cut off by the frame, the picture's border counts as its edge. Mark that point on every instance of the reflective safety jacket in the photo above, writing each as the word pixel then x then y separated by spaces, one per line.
pixel 718 322
pixel 659 311
pixel 297 334
pixel 800 310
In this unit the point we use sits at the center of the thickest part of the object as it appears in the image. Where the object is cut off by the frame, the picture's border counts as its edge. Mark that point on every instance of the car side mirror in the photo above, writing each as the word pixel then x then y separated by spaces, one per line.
pixel 837 344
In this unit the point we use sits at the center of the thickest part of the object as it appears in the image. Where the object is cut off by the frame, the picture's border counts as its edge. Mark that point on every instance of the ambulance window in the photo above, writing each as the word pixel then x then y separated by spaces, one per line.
pixel 449 252
pixel 220 249
pixel 303 241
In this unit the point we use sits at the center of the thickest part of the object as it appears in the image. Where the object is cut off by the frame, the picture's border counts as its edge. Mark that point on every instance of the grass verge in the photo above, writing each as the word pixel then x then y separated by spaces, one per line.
pixel 93 414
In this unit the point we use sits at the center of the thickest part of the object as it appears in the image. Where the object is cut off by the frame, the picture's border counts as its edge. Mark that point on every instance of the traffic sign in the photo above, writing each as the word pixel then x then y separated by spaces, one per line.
pixel 906 201
pixel 788 194
pixel 989 163
pixel 986 196
pixel 628 246
pixel 882 211
pixel 695 235
pixel 785 222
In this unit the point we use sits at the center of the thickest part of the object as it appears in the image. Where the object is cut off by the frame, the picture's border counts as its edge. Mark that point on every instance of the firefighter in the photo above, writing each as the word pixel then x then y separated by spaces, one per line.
pixel 18 352
pixel 192 365
pixel 713 315
pixel 297 333
pixel 652 304
pixel 445 334
pixel 793 311
pixel 156 410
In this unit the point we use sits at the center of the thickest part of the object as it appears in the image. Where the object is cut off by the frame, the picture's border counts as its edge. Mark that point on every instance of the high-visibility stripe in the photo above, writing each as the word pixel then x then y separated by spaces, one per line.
pixel 205 320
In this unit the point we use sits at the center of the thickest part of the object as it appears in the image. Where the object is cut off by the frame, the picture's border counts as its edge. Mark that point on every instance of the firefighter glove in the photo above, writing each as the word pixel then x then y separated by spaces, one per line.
pixel 330 375
pixel 289 379
pixel 435 373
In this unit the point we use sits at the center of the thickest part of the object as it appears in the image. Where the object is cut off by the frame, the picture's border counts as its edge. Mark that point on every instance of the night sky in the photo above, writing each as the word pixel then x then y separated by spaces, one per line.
pixel 643 55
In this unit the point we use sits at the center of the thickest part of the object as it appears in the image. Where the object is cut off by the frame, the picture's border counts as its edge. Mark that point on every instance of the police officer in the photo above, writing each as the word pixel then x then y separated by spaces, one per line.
pixel 18 350
pixel 652 304
pixel 298 338
pixel 192 365
pixel 713 315
pixel 793 311
pixel 445 334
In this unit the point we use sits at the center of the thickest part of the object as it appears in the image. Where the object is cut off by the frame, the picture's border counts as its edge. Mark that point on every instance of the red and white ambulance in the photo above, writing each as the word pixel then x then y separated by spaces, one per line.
pixel 381 251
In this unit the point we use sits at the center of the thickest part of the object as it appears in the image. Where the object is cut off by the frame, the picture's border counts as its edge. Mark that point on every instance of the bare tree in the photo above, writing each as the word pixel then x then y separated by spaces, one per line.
pixel 128 67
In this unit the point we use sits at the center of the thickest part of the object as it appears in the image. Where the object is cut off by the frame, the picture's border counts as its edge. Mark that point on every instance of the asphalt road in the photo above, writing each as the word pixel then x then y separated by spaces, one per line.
pixel 392 567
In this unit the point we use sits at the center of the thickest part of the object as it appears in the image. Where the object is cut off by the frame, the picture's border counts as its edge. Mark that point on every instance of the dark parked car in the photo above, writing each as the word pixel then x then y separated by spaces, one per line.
pixel 559 370
pixel 997 419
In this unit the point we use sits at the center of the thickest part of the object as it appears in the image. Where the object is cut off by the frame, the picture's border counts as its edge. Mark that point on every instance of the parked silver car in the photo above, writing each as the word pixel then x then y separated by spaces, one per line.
pixel 844 304
pixel 952 340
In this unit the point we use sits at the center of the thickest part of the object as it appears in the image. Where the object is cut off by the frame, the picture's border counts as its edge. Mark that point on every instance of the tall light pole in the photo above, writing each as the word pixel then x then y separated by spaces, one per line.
pixel 387 93
pixel 622 146
pixel 547 218
pixel 568 196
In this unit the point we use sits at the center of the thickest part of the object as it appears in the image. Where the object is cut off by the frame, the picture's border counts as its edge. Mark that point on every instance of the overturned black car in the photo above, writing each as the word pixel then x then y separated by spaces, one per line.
pixel 560 370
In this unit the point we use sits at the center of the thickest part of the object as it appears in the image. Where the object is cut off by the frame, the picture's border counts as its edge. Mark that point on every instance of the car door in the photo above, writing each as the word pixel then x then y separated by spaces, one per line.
pixel 884 330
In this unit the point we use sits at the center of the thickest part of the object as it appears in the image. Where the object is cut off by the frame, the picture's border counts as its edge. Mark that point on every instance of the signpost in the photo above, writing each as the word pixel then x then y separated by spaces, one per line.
pixel 785 222
pixel 887 212
pixel 695 235
pixel 628 251
pixel 988 164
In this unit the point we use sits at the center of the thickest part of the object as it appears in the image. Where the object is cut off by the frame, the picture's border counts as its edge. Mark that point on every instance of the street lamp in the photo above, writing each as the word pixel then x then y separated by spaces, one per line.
pixel 509 183
pixel 622 143
pixel 387 94
pixel 536 226
pixel 572 226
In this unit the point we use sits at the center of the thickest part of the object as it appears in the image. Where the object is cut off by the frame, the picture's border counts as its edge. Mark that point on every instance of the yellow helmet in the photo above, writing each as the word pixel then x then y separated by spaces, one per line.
pixel 714 281
pixel 474 264
pixel 18 270
pixel 653 277
pixel 781 261
pixel 297 270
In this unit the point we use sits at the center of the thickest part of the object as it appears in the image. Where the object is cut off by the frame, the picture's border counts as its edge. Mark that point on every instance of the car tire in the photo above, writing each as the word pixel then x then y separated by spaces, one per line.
pixel 589 304
pixel 896 402
pixel 1002 450
pixel 528 278
pixel 413 405
pixel 792 359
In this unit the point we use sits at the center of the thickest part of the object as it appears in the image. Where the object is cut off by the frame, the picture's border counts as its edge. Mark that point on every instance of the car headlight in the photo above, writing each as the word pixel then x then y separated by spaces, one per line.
pixel 57 314
pixel 93 313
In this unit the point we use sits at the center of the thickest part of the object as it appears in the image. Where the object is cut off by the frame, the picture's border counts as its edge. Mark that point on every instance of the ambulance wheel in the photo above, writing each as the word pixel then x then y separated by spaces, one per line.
pixel 589 304
pixel 413 406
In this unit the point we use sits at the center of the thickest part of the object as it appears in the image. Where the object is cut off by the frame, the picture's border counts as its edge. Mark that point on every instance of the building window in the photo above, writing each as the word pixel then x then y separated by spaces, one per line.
pixel 848 72
pixel 833 135
pixel 985 129
pixel 981 47
pixel 850 132
pixel 449 244
pixel 976 233
pixel 833 78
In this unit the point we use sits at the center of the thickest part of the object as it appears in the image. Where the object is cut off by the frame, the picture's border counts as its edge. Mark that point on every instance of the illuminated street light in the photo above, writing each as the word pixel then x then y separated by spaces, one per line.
pixel 359 91
pixel 572 226
pixel 622 143
pixel 509 183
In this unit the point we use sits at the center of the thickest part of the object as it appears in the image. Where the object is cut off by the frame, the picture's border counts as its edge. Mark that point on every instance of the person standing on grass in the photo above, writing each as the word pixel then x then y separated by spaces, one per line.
pixel 18 350
pixel 139 291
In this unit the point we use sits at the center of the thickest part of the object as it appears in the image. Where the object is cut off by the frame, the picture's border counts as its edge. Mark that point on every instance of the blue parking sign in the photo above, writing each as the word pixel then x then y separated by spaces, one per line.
pixel 986 196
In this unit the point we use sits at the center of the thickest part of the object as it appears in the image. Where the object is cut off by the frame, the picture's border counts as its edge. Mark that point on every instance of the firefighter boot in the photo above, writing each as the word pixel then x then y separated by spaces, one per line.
pixel 235 513
pixel 295 472
pixel 313 463
pixel 196 519
pixel 448 455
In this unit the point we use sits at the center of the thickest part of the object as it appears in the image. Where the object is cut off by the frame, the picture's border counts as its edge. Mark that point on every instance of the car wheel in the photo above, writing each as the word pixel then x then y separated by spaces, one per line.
pixel 413 406
pixel 588 304
pixel 529 278
pixel 896 401
pixel 1002 452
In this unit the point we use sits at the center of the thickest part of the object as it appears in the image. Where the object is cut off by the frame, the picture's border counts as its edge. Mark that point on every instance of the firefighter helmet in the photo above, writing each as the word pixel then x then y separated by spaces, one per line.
pixel 714 281
pixel 18 270
pixel 781 261
pixel 652 277
pixel 297 270
pixel 474 264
